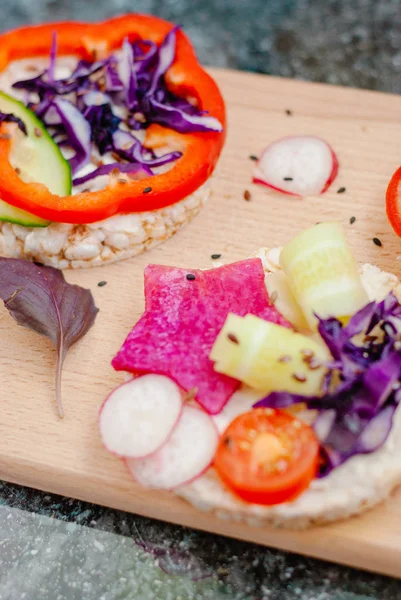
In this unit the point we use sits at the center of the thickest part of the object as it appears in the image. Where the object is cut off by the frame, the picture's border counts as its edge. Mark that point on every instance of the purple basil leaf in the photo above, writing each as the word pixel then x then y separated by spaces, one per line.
pixel 40 299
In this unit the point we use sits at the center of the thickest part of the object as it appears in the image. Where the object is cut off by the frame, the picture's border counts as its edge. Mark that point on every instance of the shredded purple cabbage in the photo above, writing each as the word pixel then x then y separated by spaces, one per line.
pixel 139 171
pixel 84 108
pixel 9 118
pixel 362 389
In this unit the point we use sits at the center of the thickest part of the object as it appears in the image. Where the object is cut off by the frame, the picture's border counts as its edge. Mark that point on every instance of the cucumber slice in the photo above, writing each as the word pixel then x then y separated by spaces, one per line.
pixel 323 274
pixel 38 159
pixel 12 214
pixel 268 357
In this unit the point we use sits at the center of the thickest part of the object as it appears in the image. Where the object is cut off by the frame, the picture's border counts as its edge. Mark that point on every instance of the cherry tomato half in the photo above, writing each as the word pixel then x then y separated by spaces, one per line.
pixel 267 456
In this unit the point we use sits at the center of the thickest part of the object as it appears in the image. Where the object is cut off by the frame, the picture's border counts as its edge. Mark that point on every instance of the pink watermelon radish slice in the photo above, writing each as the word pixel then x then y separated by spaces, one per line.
pixel 185 310
pixel 187 454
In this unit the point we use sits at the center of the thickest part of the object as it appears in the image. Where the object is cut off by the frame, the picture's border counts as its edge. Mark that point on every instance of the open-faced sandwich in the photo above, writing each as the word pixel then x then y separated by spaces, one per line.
pixel 266 390
pixel 108 135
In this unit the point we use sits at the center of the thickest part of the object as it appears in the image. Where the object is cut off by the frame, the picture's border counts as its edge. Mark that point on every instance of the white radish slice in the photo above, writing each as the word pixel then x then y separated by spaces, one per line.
pixel 186 455
pixel 301 165
pixel 139 415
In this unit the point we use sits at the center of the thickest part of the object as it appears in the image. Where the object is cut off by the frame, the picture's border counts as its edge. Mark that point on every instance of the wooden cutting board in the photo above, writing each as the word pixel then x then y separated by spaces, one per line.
pixel 66 457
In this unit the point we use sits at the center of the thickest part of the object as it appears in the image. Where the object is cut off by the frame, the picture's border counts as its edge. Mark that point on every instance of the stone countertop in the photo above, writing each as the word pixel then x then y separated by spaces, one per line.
pixel 348 42
pixel 54 548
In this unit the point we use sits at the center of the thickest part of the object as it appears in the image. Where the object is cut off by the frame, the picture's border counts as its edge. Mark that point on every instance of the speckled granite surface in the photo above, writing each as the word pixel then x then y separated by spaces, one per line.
pixel 59 549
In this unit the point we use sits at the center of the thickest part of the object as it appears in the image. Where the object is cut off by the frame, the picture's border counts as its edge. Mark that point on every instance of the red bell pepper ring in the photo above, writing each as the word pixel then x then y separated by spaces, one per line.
pixel 393 201
pixel 185 77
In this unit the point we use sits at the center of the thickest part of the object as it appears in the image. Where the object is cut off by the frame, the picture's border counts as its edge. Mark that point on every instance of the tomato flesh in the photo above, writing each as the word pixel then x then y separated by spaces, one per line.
pixel 267 456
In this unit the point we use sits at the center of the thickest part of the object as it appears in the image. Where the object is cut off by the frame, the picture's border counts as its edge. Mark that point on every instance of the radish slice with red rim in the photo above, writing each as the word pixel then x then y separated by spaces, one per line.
pixel 139 415
pixel 186 455
pixel 301 165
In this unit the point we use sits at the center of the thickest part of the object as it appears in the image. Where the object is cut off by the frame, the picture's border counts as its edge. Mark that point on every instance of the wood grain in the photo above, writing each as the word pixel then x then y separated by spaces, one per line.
pixel 66 456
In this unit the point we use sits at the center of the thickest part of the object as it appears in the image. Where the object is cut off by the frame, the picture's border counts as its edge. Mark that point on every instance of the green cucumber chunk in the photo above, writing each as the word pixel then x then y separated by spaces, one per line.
pixel 38 159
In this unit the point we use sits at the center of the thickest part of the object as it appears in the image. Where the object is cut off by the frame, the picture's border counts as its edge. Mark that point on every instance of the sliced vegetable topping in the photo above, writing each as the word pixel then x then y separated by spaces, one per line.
pixel 362 387
pixel 155 80
pixel 88 113
pixel 269 357
pixel 279 289
pixel 137 417
pixel 184 314
pixel 34 156
pixel 300 166
pixel 323 274
pixel 267 456
pixel 186 455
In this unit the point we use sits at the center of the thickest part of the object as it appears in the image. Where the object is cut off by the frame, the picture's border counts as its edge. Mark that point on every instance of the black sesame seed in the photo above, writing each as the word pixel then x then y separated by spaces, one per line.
pixel 377 241
pixel 253 157
pixel 341 190
pixel 288 112
pixel 352 220
pixel 288 178
pixel 233 338
pixel 147 190
pixel 190 276
pixel 228 442
pixel 102 283
pixel 215 256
